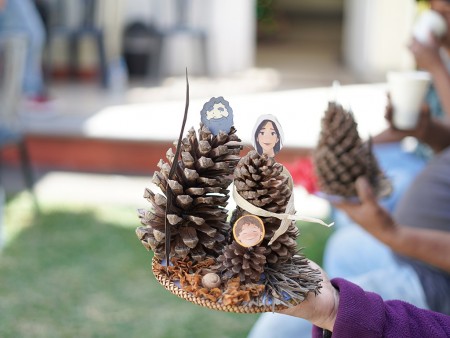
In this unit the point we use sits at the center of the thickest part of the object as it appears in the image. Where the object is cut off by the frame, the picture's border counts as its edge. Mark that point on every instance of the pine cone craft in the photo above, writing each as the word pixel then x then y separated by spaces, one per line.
pixel 198 218
pixel 261 181
pixel 341 156
pixel 189 212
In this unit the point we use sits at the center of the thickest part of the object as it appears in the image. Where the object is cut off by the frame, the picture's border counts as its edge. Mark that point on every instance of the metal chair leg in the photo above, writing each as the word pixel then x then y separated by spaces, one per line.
pixel 73 54
pixel 27 170
pixel 102 58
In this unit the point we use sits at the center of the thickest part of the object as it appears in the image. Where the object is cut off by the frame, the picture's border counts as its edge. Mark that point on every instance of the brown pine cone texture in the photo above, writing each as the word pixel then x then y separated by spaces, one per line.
pixel 260 180
pixel 284 271
pixel 245 263
pixel 341 156
pixel 197 218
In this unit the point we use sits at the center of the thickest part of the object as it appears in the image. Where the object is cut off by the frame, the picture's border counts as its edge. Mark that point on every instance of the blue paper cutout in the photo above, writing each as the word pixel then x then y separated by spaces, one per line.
pixel 217 115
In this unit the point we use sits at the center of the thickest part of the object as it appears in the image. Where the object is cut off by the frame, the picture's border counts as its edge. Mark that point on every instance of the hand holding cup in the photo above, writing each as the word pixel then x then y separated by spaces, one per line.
pixel 422 127
pixel 407 90
pixel 429 24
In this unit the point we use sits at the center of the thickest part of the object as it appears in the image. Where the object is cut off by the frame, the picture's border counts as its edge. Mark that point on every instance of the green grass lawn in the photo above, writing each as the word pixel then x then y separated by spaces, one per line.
pixel 80 271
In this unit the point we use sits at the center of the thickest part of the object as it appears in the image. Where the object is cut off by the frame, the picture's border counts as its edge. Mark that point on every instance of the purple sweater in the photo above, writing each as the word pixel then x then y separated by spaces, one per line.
pixel 365 315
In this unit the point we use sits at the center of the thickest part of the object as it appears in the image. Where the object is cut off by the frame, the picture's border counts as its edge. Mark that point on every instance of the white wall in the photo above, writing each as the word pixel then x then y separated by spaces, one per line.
pixel 376 35
pixel 230 25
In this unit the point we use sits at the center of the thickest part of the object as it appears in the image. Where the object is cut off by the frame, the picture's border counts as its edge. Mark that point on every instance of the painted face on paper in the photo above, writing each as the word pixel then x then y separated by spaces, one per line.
pixel 248 231
pixel 217 115
pixel 218 111
pixel 250 234
pixel 267 138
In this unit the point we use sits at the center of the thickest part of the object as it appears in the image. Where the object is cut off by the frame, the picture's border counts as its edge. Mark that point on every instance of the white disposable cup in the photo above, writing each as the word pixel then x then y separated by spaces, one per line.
pixel 407 91
pixel 429 22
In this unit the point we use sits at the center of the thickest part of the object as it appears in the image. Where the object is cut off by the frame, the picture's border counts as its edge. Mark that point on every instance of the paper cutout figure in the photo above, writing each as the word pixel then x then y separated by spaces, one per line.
pixel 267 135
pixel 248 230
pixel 217 115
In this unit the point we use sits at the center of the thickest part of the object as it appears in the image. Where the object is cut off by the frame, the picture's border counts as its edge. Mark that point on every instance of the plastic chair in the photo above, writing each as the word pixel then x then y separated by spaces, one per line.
pixel 58 26
pixel 12 66
pixel 141 49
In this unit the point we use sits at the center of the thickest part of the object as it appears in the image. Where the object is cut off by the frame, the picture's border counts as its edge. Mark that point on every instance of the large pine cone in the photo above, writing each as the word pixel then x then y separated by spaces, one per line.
pixel 341 156
pixel 197 218
pixel 261 181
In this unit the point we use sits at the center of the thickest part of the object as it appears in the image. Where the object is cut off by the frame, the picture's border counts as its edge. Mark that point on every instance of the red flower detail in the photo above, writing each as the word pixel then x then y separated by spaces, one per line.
pixel 302 172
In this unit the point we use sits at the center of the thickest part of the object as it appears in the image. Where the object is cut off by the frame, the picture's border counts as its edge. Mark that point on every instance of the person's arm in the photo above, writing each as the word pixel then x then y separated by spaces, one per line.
pixel 428 58
pixel 430 131
pixel 387 136
pixel 321 309
pixel 429 246
pixel 346 310
pixel 391 133
pixel 437 135
pixel 434 132
pixel 365 315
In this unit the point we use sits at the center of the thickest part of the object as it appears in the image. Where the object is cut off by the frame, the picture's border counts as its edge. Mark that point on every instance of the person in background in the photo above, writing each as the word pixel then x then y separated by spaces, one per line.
pixel 22 16
pixel 426 187
pixel 421 192
pixel 415 265
pixel 433 57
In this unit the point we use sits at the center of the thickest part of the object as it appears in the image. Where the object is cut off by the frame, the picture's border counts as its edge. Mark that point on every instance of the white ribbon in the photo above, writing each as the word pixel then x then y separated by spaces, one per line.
pixel 284 217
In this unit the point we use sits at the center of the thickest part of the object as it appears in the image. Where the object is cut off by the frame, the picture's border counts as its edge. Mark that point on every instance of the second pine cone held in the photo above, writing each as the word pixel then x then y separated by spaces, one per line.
pixel 341 156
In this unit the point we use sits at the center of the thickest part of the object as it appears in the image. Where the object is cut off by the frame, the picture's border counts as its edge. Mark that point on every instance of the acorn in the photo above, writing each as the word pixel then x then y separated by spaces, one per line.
pixel 211 280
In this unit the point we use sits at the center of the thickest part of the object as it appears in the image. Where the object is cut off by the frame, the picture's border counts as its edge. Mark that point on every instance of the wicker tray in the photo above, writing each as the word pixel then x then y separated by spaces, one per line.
pixel 170 286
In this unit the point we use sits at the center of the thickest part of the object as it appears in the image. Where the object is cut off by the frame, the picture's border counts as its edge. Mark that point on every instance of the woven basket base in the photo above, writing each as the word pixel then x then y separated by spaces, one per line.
pixel 170 286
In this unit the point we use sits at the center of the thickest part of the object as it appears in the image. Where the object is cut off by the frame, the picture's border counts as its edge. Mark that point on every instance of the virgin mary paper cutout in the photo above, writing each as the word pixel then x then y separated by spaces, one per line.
pixel 267 136
pixel 217 115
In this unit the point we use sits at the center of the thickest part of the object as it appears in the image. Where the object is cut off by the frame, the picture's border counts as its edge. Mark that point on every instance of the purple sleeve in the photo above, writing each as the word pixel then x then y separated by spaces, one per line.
pixel 365 315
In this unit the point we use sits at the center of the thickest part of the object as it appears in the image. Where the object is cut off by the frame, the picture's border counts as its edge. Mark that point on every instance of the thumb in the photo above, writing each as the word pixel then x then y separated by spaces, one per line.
pixel 364 190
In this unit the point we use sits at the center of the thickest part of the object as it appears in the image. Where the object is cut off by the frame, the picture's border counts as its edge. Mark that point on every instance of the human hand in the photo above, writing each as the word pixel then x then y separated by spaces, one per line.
pixel 321 309
pixel 2 4
pixel 369 214
pixel 422 128
pixel 427 55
